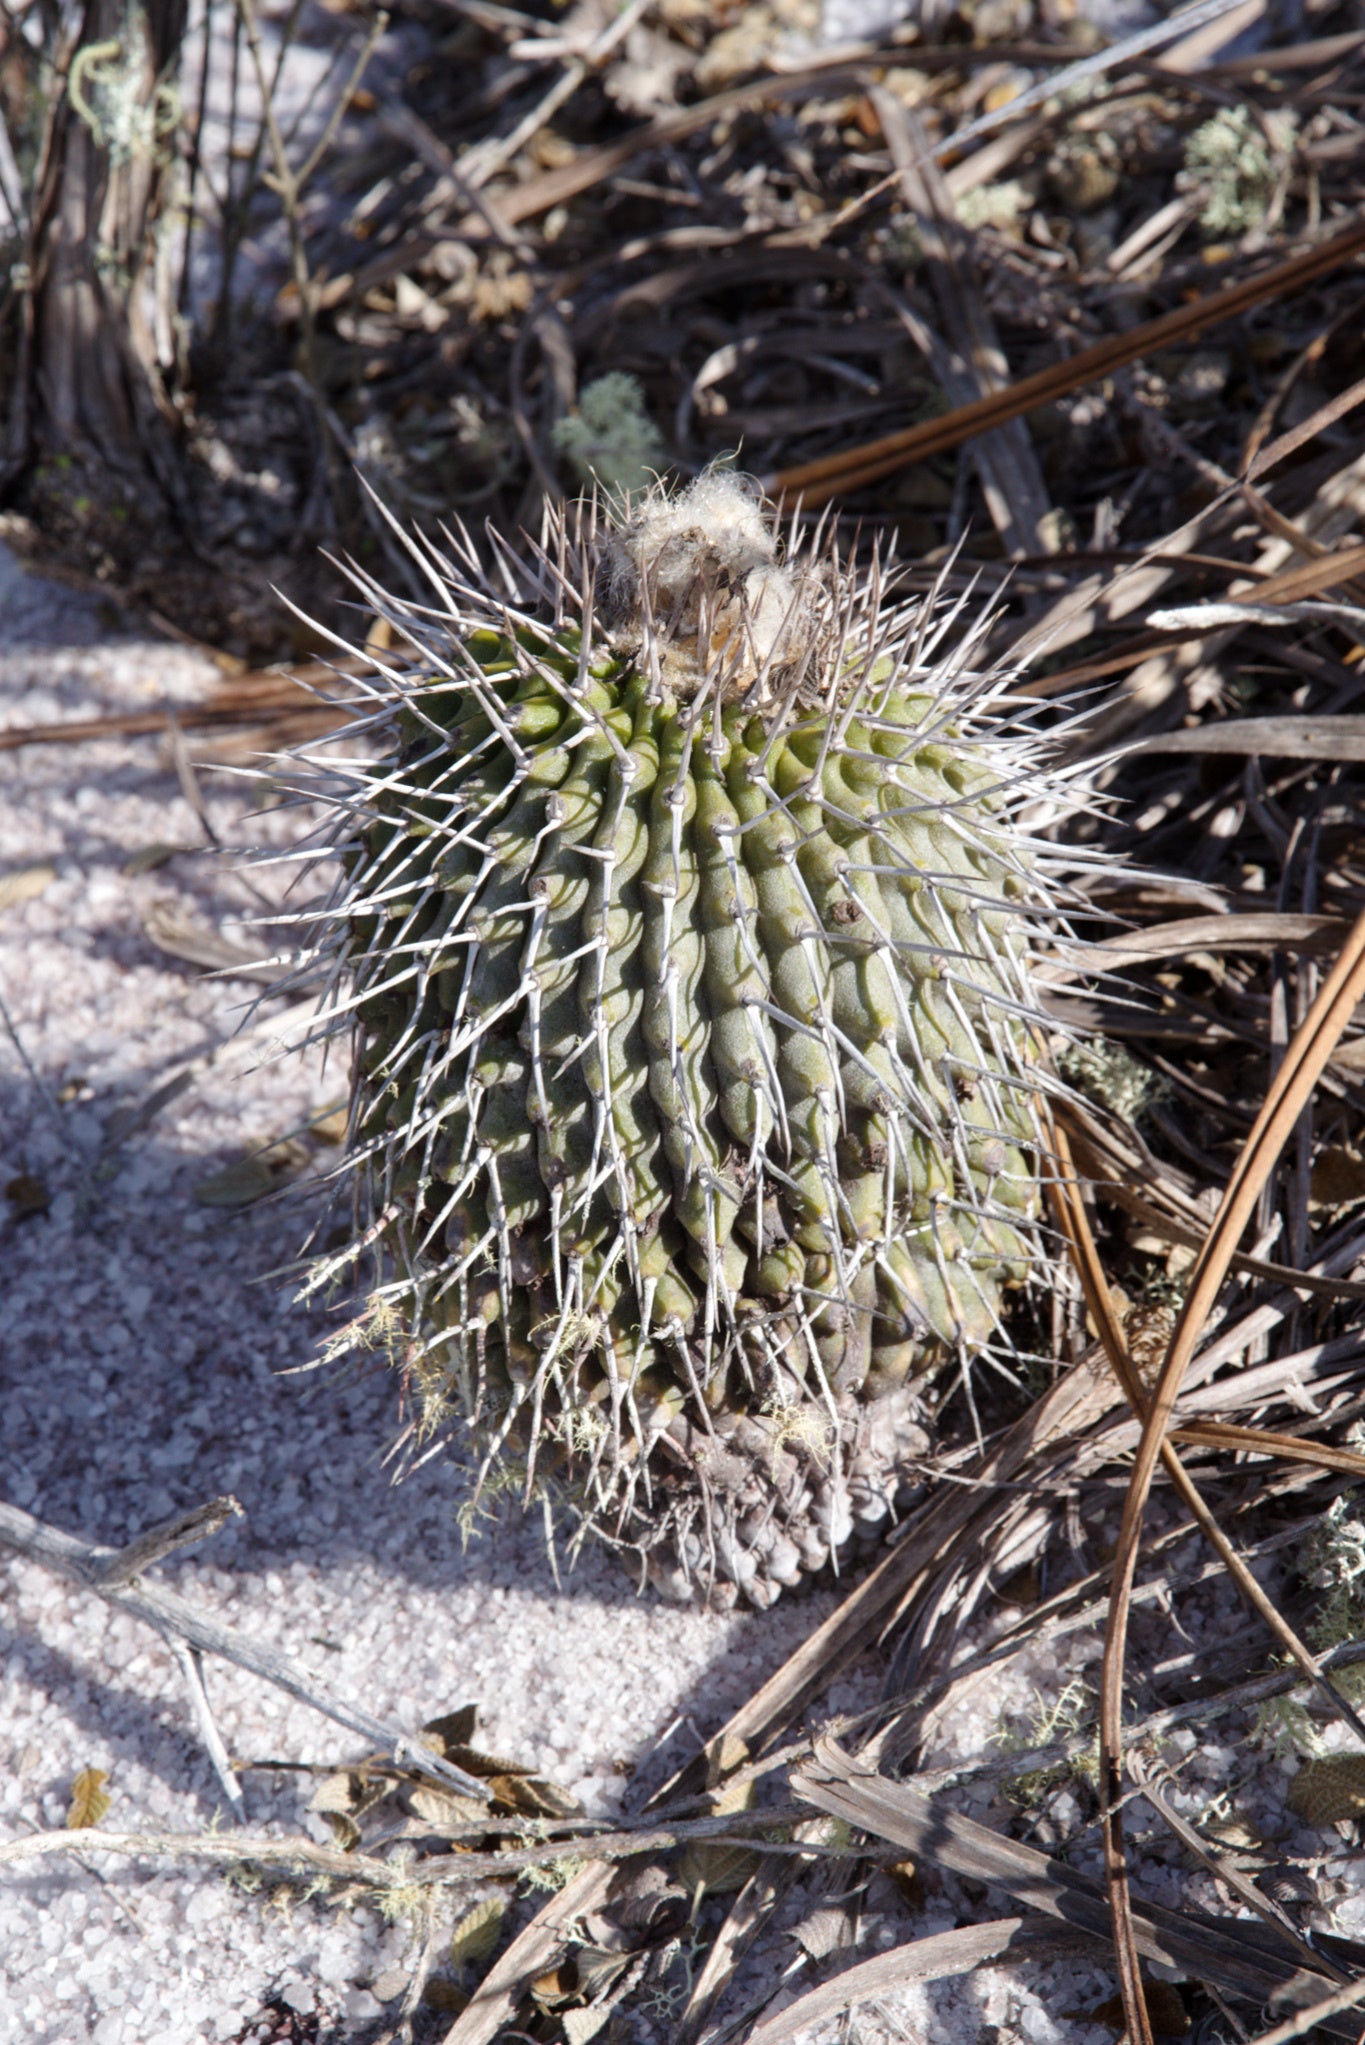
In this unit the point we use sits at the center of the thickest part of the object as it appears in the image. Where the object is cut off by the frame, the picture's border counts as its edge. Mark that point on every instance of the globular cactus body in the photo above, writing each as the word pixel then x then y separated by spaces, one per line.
pixel 687 919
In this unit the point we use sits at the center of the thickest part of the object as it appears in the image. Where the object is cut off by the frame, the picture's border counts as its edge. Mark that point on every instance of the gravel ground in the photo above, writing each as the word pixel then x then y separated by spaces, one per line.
pixel 151 1356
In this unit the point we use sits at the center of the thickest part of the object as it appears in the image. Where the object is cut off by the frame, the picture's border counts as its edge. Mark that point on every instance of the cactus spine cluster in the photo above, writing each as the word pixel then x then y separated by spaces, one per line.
pixel 684 939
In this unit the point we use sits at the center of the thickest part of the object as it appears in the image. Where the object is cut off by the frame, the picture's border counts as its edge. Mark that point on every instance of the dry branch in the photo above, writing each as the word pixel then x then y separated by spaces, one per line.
pixel 87 1565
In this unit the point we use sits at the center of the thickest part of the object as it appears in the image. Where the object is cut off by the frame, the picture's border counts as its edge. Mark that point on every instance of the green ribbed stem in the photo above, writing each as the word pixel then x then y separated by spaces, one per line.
pixel 689 1046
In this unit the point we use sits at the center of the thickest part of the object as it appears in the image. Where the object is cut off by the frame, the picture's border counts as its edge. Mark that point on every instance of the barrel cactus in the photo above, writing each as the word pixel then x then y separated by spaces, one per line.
pixel 684 940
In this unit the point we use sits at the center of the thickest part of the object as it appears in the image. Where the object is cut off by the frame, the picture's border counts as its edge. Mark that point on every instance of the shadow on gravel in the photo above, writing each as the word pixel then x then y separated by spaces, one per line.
pixel 37 612
pixel 153 1355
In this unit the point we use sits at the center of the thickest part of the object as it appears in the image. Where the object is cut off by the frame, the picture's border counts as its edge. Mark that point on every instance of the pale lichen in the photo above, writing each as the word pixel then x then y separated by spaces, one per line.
pixel 611 441
pixel 1232 166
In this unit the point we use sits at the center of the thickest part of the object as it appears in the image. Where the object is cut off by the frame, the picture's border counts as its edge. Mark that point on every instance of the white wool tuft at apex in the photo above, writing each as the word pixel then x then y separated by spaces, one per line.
pixel 702 565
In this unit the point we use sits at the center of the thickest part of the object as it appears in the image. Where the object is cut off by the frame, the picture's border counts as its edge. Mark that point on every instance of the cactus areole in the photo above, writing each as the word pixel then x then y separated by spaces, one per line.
pixel 684 937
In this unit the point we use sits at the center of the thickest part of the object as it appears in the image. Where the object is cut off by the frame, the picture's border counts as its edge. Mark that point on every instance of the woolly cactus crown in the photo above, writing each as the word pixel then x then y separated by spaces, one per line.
pixel 697 577
pixel 684 943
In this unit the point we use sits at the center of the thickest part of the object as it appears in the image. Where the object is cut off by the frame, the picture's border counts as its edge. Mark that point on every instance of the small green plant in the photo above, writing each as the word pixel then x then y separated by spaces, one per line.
pixel 549 1876
pixel 1001 206
pixel 1231 163
pixel 1071 1714
pixel 1286 1727
pixel 1336 1566
pixel 1112 1076
pixel 611 441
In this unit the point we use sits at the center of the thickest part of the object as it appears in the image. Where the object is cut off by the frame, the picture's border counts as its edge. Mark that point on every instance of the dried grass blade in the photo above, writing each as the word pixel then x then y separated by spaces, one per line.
pixel 1266 930
pixel 1242 1959
pixel 1075 1225
pixel 1289 1092
pixel 243 698
pixel 1295 738
pixel 1309 578
pixel 1254 1267
pixel 1116 1169
pixel 1263 1441
pixel 1297 436
pixel 934 1958
pixel 84 1563
pixel 590 166
pixel 1136 584
pixel 1223 1870
pixel 1307 2020
pixel 1064 1194
pixel 746 1916
pixel 1010 473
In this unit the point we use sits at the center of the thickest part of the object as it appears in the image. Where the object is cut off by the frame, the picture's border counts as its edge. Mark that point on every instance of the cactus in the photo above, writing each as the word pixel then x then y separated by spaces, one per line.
pixel 684 939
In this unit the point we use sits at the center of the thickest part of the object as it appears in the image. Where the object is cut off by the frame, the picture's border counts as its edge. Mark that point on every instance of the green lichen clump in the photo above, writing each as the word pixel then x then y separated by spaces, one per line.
pixel 610 440
pixel 687 920
pixel 1111 1075
pixel 1231 164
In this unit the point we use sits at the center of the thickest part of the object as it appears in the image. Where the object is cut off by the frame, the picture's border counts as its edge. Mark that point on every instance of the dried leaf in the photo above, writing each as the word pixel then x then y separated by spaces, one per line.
pixel 1023 1587
pixel 454 1729
pixel 909 1881
pixel 532 1797
pixel 477 1932
pixel 581 2024
pixel 487 1766
pixel 148 858
pixel 736 1796
pixel 1338 1178
pixel 1328 1789
pixel 823 1932
pixel 597 1968
pixel 89 1801
pixel 555 1987
pixel 342 1792
pixel 445 1995
pixel 725 1754
pixel 442 1808
pixel 330 1127
pixel 25 885
pixel 721 1870
pixel 237 1185
pixel 643 1894
pixel 345 1830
